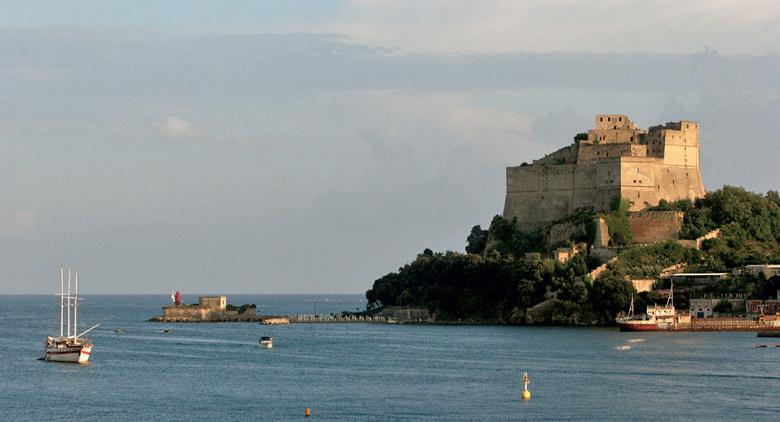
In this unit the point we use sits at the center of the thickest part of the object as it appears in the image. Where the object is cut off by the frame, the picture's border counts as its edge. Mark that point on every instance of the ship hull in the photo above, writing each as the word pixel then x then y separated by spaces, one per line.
pixel 70 354
pixel 638 326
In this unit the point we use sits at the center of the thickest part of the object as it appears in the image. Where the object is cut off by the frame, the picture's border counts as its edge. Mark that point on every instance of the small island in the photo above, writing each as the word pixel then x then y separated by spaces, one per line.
pixel 208 309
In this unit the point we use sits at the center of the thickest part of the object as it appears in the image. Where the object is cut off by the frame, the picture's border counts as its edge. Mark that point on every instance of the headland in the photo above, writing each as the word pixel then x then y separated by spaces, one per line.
pixel 620 213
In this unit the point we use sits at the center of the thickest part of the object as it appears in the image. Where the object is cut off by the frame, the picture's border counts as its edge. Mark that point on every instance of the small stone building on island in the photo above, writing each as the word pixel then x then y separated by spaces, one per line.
pixel 208 309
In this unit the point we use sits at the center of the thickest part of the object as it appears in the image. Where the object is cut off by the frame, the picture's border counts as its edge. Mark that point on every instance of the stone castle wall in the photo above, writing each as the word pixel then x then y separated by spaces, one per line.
pixel 190 313
pixel 655 226
pixel 540 193
pixel 617 159
pixel 198 313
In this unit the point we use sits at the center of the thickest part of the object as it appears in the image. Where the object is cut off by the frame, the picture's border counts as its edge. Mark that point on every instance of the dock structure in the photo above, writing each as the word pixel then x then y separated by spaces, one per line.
pixel 315 318
pixel 727 324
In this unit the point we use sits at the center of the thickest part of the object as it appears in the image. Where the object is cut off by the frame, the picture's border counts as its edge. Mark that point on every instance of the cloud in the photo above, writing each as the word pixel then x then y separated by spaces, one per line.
pixel 467 26
pixel 176 128
pixel 17 223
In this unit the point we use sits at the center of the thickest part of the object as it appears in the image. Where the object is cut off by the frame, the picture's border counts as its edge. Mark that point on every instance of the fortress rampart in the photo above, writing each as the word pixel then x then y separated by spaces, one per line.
pixel 617 158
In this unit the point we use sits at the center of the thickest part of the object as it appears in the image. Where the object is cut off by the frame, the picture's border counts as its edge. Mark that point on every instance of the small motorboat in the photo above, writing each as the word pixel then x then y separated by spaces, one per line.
pixel 266 342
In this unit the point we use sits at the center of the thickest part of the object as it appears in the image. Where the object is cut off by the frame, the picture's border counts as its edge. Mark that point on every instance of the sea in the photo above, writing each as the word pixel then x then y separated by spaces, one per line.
pixel 365 372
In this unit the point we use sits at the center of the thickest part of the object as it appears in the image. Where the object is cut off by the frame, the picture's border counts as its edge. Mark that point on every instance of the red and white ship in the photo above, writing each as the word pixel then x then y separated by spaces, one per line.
pixel 657 318
pixel 68 346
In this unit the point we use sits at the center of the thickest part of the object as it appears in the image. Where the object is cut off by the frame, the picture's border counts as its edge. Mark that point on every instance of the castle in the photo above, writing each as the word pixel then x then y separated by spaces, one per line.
pixel 615 158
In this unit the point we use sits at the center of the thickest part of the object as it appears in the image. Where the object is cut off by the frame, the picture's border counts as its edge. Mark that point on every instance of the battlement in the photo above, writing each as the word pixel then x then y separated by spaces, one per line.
pixel 617 158
pixel 614 129
pixel 613 121
pixel 616 135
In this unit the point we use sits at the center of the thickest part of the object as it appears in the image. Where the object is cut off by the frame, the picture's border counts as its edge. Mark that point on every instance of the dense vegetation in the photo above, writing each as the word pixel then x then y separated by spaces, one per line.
pixel 497 281
pixel 617 221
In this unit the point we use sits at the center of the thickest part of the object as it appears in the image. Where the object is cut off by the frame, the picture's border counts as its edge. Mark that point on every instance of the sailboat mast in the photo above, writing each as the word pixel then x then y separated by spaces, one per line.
pixel 62 297
pixel 76 307
pixel 68 298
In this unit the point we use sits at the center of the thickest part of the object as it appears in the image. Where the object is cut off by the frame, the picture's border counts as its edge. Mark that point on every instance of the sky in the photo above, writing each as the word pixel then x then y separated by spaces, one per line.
pixel 314 146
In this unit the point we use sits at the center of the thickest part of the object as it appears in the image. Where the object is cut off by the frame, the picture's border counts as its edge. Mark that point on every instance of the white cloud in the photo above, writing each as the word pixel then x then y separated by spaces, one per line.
pixel 16 223
pixel 467 26
pixel 176 128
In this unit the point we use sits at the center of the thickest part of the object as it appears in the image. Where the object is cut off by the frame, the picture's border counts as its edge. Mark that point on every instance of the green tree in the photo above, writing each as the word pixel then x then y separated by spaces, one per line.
pixel 477 240
pixel 611 293
pixel 723 307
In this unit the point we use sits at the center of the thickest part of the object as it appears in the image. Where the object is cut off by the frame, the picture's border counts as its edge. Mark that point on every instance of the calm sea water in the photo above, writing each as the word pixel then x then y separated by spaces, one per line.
pixel 372 371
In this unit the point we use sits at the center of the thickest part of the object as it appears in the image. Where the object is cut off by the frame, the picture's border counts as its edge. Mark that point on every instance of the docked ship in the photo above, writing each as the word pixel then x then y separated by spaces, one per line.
pixel 656 318
pixel 68 346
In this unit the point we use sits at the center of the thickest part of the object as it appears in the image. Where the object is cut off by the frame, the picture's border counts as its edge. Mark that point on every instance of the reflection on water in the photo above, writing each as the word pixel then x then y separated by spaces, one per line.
pixel 373 371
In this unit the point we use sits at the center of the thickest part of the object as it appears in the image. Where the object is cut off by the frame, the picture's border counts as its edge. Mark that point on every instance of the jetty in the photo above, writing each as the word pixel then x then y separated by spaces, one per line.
pixel 312 318
pixel 216 309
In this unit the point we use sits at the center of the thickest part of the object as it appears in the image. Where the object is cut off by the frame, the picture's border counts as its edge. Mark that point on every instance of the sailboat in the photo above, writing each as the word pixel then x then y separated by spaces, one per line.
pixel 68 346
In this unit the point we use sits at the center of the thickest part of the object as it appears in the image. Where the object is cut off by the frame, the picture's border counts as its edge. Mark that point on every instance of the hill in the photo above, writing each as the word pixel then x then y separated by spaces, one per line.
pixel 505 273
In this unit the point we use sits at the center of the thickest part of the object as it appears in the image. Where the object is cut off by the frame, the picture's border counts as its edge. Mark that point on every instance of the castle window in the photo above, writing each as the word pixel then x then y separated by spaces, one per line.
pixel 620 118
pixel 609 119
pixel 614 127
pixel 601 119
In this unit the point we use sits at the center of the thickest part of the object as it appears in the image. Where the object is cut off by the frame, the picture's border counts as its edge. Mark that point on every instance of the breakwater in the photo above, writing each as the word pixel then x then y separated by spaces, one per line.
pixel 276 319
pixel 312 318
pixel 728 324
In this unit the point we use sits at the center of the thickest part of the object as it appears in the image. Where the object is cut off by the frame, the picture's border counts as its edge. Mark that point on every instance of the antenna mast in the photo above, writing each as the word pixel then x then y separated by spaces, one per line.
pixel 68 298
pixel 76 307
pixel 62 297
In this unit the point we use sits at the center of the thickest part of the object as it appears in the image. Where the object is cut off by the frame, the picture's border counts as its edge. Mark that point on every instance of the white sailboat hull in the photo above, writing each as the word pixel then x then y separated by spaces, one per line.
pixel 74 354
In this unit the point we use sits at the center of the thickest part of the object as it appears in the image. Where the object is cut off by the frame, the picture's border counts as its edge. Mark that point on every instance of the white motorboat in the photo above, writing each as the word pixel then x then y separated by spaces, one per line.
pixel 266 342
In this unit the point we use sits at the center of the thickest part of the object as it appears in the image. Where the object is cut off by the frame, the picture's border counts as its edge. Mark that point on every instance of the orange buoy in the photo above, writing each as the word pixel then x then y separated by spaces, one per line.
pixel 307 412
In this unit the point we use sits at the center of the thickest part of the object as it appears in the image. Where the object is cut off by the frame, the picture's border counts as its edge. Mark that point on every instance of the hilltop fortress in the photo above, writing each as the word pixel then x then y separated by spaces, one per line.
pixel 615 158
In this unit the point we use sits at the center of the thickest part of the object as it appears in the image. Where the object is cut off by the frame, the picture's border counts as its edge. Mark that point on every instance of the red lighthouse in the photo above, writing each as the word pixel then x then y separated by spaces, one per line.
pixel 177 298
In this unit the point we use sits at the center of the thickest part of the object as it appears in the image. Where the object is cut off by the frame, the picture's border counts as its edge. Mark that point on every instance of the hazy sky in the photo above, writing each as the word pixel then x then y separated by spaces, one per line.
pixel 313 146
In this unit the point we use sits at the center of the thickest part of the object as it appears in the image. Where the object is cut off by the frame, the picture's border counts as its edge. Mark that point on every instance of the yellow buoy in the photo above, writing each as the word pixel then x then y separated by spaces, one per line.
pixel 526 393
pixel 307 412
